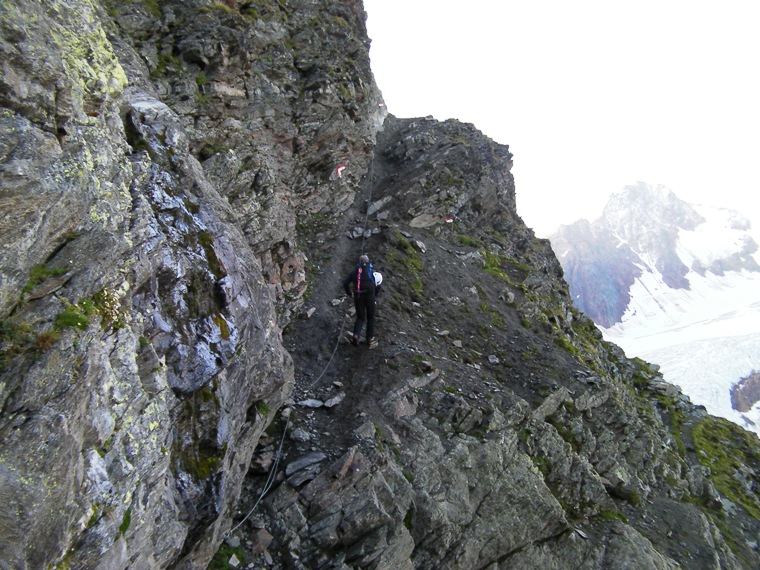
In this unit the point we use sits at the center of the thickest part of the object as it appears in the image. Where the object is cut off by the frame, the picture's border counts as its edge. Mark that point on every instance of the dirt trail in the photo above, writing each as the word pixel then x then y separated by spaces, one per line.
pixel 322 356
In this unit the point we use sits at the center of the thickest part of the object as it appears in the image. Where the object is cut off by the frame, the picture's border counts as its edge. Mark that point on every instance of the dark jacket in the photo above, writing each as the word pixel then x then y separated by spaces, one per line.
pixel 367 284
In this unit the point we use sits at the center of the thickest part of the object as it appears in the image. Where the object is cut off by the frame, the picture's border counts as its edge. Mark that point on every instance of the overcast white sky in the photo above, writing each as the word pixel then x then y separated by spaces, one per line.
pixel 590 95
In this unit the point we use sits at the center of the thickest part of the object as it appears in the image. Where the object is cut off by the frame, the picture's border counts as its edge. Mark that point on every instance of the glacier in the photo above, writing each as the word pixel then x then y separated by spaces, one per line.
pixel 706 337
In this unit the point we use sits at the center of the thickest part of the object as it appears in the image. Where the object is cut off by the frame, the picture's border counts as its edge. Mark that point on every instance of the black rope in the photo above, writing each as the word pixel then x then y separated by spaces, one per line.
pixel 272 474
pixel 270 480
pixel 337 343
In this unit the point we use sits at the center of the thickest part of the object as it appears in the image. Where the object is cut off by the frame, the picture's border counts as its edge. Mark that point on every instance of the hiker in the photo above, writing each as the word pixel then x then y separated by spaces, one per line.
pixel 360 284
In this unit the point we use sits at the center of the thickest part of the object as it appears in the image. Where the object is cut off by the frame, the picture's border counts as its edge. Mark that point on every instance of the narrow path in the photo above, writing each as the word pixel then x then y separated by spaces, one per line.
pixel 325 364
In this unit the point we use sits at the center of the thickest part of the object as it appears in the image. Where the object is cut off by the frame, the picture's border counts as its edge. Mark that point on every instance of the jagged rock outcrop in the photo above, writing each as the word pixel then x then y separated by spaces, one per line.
pixel 493 428
pixel 601 269
pixel 673 283
pixel 746 393
pixel 178 179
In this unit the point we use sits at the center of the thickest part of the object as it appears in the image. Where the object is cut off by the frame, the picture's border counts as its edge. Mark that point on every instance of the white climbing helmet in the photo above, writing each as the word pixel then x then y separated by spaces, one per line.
pixel 378 277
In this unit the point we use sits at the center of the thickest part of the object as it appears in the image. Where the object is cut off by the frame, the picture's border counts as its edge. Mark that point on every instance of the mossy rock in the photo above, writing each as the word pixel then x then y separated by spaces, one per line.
pixel 728 450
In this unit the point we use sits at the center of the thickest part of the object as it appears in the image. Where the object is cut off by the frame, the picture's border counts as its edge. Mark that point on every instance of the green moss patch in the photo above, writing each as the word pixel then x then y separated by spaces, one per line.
pixel 126 521
pixel 166 63
pixel 495 264
pixel 71 318
pixel 224 328
pixel 611 516
pixel 197 451
pixel 221 560
pixel 201 465
pixel 469 241
pixel 15 338
pixel 41 273
pixel 726 449
pixel 45 340
pixel 206 241
pixel 108 305
pixel 210 149
pixel 153 7
pixel 406 259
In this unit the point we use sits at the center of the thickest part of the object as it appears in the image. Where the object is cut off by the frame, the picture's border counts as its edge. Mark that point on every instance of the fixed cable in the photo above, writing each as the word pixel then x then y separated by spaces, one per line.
pixel 337 344
pixel 272 473
pixel 269 482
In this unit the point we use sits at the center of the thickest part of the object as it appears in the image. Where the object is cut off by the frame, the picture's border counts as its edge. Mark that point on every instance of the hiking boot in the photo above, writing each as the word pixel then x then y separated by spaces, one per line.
pixel 372 343
pixel 353 339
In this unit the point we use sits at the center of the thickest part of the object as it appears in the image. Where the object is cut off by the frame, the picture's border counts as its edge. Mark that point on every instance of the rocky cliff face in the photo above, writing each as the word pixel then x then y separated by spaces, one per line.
pixel 155 157
pixel 178 179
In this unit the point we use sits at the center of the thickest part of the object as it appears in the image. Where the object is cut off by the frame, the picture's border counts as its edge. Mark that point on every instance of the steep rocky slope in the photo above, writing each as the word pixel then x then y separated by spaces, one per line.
pixel 492 428
pixel 171 198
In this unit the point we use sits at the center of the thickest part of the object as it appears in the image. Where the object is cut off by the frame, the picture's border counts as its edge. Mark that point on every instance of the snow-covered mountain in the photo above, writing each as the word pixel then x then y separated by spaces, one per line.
pixel 677 284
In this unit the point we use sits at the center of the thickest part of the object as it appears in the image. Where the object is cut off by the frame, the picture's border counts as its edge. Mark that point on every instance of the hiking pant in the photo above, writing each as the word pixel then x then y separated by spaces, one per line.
pixel 365 310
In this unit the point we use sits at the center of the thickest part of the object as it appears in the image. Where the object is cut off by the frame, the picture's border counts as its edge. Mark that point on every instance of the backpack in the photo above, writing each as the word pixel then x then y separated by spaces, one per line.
pixel 365 278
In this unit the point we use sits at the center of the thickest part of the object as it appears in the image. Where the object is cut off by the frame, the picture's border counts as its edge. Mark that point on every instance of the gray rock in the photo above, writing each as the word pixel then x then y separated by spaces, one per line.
pixel 334 401
pixel 365 431
pixel 261 540
pixel 378 205
pixel 304 462
pixel 103 180
pixel 507 296
pixel 311 403
pixel 300 435
pixel 424 221
pixel 303 475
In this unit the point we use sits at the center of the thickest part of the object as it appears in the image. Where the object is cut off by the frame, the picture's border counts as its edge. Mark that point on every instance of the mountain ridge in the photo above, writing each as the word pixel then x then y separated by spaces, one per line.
pixel 696 320
pixel 184 185
pixel 646 229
